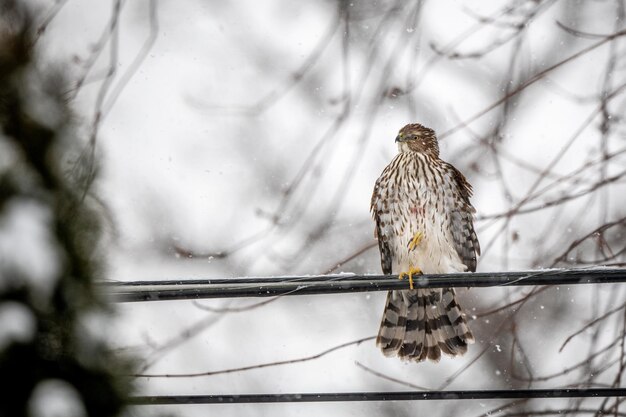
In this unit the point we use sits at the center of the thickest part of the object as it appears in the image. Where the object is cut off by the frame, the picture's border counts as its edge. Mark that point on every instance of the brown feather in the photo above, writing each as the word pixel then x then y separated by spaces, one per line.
pixel 418 193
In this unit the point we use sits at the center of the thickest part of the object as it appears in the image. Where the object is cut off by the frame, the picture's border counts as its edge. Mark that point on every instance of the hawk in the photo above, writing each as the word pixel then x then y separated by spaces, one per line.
pixel 424 224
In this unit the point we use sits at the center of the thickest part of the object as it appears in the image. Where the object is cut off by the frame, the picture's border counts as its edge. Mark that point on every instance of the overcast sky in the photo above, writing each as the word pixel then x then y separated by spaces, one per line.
pixel 256 130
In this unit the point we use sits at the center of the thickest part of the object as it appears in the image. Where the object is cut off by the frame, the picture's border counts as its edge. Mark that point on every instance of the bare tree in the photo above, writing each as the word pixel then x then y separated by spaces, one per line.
pixel 527 98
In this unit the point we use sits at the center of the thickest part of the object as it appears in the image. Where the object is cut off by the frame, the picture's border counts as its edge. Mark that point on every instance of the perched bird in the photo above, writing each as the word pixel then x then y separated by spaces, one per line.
pixel 424 224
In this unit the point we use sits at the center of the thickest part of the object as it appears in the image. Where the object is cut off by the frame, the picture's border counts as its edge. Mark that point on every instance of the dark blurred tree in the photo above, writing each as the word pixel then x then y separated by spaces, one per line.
pixel 54 356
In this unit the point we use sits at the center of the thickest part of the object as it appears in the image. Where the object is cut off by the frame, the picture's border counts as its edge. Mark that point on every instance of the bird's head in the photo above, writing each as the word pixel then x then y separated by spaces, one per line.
pixel 417 138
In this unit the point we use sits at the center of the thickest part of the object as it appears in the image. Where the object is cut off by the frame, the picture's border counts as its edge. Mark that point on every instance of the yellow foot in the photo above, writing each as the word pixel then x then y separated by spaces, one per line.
pixel 412 271
pixel 415 241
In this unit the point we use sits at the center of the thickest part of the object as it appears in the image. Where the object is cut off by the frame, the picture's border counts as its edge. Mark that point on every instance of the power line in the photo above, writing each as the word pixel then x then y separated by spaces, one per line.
pixel 330 284
pixel 379 396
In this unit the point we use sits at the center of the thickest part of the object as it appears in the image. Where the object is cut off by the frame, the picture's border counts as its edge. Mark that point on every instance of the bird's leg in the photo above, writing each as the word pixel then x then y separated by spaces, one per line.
pixel 412 271
pixel 417 238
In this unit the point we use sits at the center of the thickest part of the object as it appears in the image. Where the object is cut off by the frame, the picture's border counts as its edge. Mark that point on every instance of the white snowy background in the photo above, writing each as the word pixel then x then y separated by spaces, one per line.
pixel 202 147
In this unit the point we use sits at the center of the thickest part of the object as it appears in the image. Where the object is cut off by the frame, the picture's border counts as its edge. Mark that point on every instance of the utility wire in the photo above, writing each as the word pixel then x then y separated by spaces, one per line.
pixel 330 284
pixel 379 396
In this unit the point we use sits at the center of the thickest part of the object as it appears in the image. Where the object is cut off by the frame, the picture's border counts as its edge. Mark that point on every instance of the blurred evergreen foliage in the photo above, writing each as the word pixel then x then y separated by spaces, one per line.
pixel 53 347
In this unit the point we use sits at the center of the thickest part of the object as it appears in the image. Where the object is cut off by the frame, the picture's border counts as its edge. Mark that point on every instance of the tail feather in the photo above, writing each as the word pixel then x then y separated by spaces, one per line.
pixel 421 324
pixel 393 325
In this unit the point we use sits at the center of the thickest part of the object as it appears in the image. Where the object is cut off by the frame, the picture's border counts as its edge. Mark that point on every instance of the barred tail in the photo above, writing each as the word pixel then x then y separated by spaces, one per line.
pixel 420 324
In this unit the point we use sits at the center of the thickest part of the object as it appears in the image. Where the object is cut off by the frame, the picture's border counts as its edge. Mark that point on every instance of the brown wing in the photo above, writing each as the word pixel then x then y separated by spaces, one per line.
pixel 461 219
pixel 380 232
pixel 383 247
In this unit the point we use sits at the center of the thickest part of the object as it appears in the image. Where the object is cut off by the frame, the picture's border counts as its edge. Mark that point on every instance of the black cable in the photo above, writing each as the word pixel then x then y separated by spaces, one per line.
pixel 307 285
pixel 379 396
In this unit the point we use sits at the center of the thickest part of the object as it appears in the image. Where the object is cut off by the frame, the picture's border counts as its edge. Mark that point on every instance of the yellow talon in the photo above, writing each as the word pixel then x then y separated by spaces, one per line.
pixel 412 271
pixel 415 241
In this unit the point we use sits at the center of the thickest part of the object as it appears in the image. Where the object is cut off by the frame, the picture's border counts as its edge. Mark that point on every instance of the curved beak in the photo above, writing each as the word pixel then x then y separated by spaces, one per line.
pixel 398 138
